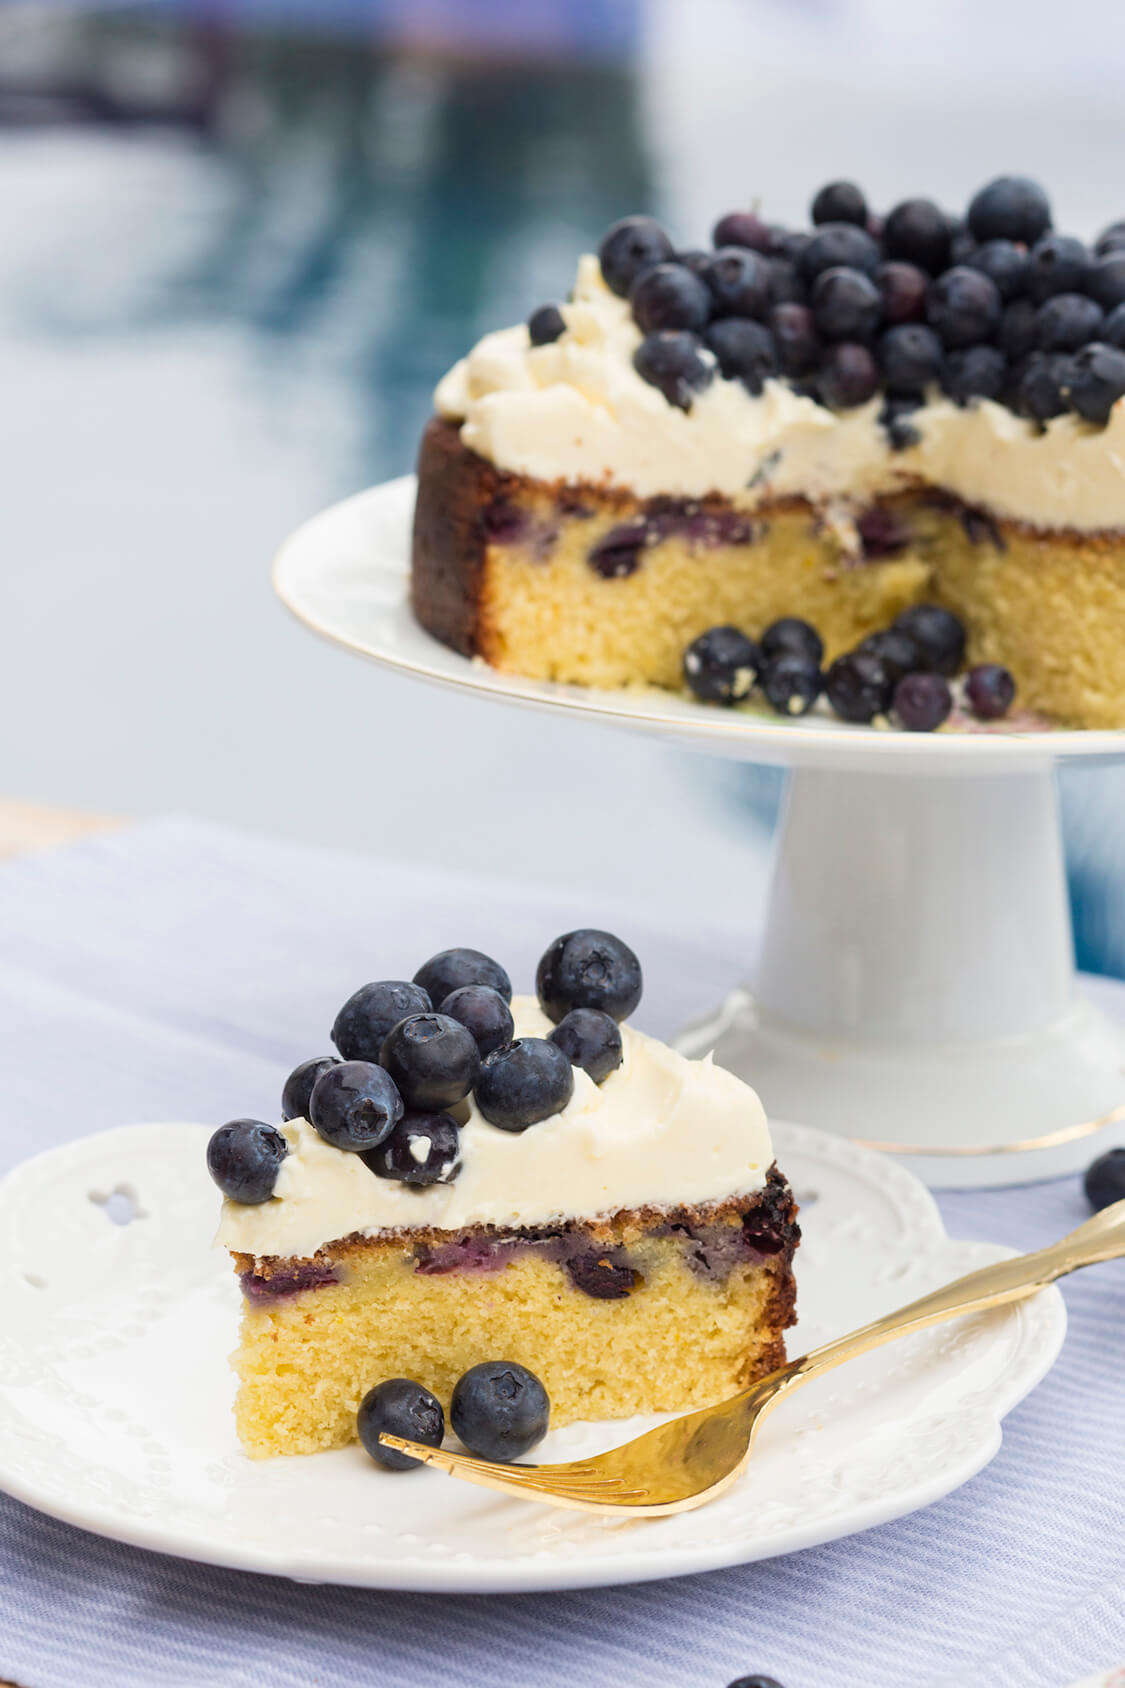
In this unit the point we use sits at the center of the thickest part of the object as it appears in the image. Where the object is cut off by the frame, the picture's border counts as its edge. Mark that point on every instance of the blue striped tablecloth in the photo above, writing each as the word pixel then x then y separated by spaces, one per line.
pixel 177 970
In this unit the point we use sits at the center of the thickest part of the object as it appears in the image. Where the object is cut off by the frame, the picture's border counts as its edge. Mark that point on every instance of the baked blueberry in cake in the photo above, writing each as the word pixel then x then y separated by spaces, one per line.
pixel 524 1178
pixel 834 424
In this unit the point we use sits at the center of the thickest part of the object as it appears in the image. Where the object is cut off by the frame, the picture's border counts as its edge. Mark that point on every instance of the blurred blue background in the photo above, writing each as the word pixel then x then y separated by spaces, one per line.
pixel 241 243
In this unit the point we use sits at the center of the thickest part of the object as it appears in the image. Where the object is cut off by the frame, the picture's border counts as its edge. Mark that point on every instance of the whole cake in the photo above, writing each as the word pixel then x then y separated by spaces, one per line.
pixel 833 425
pixel 480 1178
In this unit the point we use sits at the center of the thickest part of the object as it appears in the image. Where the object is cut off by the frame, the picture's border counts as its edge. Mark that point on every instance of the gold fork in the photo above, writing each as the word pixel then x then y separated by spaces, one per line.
pixel 690 1460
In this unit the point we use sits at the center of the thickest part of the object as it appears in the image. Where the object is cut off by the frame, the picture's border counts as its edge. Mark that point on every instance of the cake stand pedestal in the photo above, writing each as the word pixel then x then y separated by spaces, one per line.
pixel 916 986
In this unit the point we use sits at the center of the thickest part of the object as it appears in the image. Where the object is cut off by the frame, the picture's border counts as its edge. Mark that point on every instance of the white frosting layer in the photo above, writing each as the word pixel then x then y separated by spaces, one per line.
pixel 661 1131
pixel 577 410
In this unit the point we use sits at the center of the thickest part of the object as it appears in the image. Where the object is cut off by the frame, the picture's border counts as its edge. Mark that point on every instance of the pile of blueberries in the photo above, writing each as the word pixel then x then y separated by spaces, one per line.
pixel 410 1050
pixel 992 305
pixel 901 673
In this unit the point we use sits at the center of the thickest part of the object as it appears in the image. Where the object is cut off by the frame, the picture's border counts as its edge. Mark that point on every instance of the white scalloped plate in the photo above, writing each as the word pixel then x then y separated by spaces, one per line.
pixel 345 575
pixel 115 1396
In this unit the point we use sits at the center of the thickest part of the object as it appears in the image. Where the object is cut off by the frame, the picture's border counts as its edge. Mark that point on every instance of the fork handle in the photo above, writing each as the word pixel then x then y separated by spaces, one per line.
pixel 1100 1238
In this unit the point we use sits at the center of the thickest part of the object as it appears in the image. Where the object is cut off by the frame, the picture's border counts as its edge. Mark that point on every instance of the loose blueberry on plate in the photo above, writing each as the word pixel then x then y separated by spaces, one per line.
pixel 244 1158
pixel 546 325
pixel 917 231
pixel 846 304
pixel 792 634
pixel 484 1013
pixel 588 969
pixel 499 1410
pixel 671 361
pixel 721 666
pixel 299 1085
pixel 903 287
pixel 989 691
pixel 1096 381
pixel 755 1682
pixel 630 246
pixel 792 683
pixel 401 1407
pixel 422 1149
pixel 745 350
pixel 450 969
pixel 355 1105
pixel 963 306
pixel 669 296
pixel 840 202
pixel 523 1083
pixel 433 1059
pixel 1056 264
pixel 1009 208
pixel 591 1040
pixel 858 687
pixel 896 650
pixel 922 702
pixel 1105 1179
pixel 368 1015
pixel 848 375
pixel 739 282
pixel 939 635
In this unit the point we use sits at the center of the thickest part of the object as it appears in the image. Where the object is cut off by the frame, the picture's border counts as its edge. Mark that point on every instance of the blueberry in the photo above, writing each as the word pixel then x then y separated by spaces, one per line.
pixel 403 1408
pixel 910 357
pixel 602 1276
pixel 896 650
pixel 895 418
pixel 745 350
pixel 846 304
pixel 918 232
pixel 989 691
pixel 742 228
pixel 791 634
pixel 433 1060
pixel 786 286
pixel 588 969
pixel 499 1410
pixel 922 702
pixel 450 969
pixel 739 282
pixel 422 1149
pixel 789 244
pixel 721 666
pixel 1003 262
pixel 524 1082
pixel 962 245
pixel 670 360
pixel 669 296
pixel 483 1012
pixel 834 244
pixel 1111 239
pixel 963 306
pixel 1045 385
pixel 938 634
pixel 1017 329
pixel 1105 1179
pixel 840 202
pixel 903 287
pixel 1105 280
pixel 794 337
pixel 975 372
pixel 630 246
pixel 244 1158
pixel 1010 208
pixel 1113 328
pixel 1056 264
pixel 858 686
pixel 368 1015
pixel 545 325
pixel 1065 322
pixel 591 1040
pixel 355 1105
pixel 1096 381
pixel 693 259
pixel 299 1084
pixel 848 375
pixel 791 683
pixel 755 1682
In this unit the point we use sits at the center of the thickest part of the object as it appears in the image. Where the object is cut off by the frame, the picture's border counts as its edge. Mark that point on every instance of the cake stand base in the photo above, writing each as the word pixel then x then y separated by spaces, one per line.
pixel 916 983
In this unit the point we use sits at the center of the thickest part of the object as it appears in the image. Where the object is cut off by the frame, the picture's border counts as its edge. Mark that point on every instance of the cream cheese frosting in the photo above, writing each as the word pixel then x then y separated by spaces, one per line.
pixel 577 410
pixel 661 1131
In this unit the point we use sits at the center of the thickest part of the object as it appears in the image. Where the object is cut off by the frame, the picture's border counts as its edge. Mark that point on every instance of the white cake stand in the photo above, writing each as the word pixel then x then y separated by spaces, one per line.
pixel 916 983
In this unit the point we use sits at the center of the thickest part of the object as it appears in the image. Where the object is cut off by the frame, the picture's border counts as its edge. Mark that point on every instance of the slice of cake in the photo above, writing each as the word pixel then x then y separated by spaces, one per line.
pixel 832 425
pixel 535 1182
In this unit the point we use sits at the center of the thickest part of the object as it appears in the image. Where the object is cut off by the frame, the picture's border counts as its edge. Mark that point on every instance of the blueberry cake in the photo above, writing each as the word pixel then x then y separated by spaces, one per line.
pixel 835 424
pixel 474 1175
